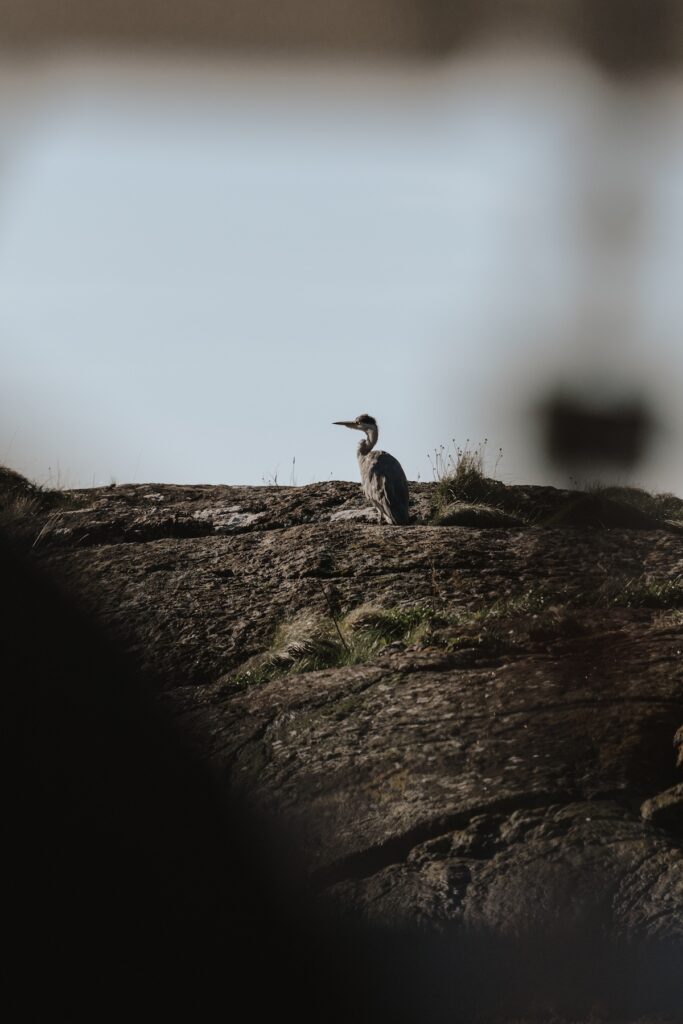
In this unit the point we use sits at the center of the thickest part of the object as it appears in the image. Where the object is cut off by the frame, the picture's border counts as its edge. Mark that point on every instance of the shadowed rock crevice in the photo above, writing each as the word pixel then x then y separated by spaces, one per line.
pixel 399 848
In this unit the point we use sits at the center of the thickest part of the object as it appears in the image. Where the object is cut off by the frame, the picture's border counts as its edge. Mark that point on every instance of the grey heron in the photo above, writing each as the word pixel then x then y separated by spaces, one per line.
pixel 382 476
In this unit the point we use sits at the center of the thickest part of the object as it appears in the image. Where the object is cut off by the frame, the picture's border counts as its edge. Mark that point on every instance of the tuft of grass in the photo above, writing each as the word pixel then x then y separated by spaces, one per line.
pixel 20 500
pixel 311 642
pixel 23 505
pixel 664 506
pixel 458 463
pixel 490 616
pixel 460 477
pixel 305 644
pixel 374 628
pixel 465 513
pixel 17 506
pixel 632 592
pixel 643 592
pixel 14 485
pixel 532 602
pixel 669 618
pixel 246 677
pixel 465 496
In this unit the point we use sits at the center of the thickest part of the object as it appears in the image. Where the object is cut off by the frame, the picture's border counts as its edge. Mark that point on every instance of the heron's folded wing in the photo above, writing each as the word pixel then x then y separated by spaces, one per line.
pixel 392 487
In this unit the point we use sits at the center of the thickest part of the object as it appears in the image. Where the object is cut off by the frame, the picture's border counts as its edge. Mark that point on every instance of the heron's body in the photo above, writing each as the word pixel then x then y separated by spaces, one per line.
pixel 384 482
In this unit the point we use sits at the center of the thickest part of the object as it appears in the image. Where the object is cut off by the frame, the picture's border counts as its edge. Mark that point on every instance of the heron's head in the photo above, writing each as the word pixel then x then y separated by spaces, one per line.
pixel 362 422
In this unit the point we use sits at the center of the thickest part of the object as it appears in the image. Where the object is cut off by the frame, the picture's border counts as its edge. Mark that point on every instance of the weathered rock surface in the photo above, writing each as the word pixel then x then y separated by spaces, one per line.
pixel 491 773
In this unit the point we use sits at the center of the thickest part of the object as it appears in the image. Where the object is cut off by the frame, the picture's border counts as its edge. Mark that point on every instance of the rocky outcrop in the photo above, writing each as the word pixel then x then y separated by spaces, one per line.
pixel 500 791
pixel 509 766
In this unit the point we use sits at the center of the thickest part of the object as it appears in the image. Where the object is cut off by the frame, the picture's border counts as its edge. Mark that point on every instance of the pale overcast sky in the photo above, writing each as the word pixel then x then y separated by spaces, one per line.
pixel 202 266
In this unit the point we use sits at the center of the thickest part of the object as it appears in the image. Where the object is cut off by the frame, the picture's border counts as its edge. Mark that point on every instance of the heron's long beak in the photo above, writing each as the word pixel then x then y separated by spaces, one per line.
pixel 346 423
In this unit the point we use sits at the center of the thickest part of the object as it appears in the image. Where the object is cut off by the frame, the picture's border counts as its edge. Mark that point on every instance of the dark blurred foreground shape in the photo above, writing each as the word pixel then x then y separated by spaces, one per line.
pixel 625 36
pixel 126 877
pixel 580 433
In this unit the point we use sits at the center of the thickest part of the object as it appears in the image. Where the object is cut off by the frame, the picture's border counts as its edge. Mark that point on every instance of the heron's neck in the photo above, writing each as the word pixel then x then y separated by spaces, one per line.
pixel 369 442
